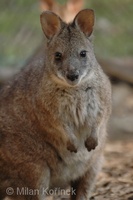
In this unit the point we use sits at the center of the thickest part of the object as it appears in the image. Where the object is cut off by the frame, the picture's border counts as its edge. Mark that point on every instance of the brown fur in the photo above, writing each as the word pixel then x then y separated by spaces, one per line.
pixel 50 121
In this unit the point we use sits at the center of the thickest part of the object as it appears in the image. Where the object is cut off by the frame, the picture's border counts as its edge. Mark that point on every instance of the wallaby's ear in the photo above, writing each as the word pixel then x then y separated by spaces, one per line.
pixel 51 24
pixel 47 4
pixel 84 20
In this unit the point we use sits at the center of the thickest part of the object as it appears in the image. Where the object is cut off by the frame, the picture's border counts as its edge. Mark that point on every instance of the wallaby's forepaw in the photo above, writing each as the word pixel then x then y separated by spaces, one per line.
pixel 91 143
pixel 71 147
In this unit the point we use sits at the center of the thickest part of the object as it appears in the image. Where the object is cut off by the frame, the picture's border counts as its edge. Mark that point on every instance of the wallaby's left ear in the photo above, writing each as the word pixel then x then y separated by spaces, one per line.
pixel 84 20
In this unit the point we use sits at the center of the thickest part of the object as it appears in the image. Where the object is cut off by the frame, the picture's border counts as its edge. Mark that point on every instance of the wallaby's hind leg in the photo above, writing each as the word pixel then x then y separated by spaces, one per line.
pixel 28 184
pixel 22 194
pixel 20 198
pixel 81 188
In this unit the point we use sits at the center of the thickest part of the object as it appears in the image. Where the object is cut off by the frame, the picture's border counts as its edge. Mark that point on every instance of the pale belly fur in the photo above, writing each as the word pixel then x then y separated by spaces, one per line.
pixel 73 166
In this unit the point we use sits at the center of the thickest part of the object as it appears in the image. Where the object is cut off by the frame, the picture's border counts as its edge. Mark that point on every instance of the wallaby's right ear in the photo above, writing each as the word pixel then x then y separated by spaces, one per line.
pixel 51 24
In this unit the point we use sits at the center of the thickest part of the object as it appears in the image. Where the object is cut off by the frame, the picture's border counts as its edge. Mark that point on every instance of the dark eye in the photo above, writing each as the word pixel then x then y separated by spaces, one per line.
pixel 83 53
pixel 58 56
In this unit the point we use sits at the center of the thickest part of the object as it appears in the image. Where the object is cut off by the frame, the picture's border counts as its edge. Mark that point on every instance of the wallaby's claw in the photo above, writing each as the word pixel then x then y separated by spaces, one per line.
pixel 71 147
pixel 91 143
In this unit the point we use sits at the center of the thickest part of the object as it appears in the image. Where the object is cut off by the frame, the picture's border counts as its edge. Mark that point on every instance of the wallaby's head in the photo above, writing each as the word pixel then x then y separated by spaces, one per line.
pixel 69 52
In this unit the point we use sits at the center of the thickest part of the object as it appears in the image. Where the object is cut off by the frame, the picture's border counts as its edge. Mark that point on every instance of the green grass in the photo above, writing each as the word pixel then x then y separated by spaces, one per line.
pixel 20 31
pixel 115 39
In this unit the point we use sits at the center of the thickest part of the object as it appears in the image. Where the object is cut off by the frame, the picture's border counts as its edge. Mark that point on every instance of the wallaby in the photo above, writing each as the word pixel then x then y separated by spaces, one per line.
pixel 53 115
pixel 67 11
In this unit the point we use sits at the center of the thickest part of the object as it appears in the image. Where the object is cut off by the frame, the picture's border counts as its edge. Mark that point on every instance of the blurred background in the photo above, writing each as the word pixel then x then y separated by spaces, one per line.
pixel 21 40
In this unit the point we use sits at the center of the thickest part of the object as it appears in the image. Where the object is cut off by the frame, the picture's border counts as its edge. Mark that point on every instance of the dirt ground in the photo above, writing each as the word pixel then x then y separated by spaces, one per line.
pixel 115 182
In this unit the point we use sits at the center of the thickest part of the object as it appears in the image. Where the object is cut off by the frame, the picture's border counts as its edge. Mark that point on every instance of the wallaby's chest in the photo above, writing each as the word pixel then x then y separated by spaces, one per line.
pixel 80 108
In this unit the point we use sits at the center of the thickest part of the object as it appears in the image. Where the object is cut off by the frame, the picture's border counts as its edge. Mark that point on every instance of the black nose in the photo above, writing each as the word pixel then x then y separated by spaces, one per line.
pixel 72 77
